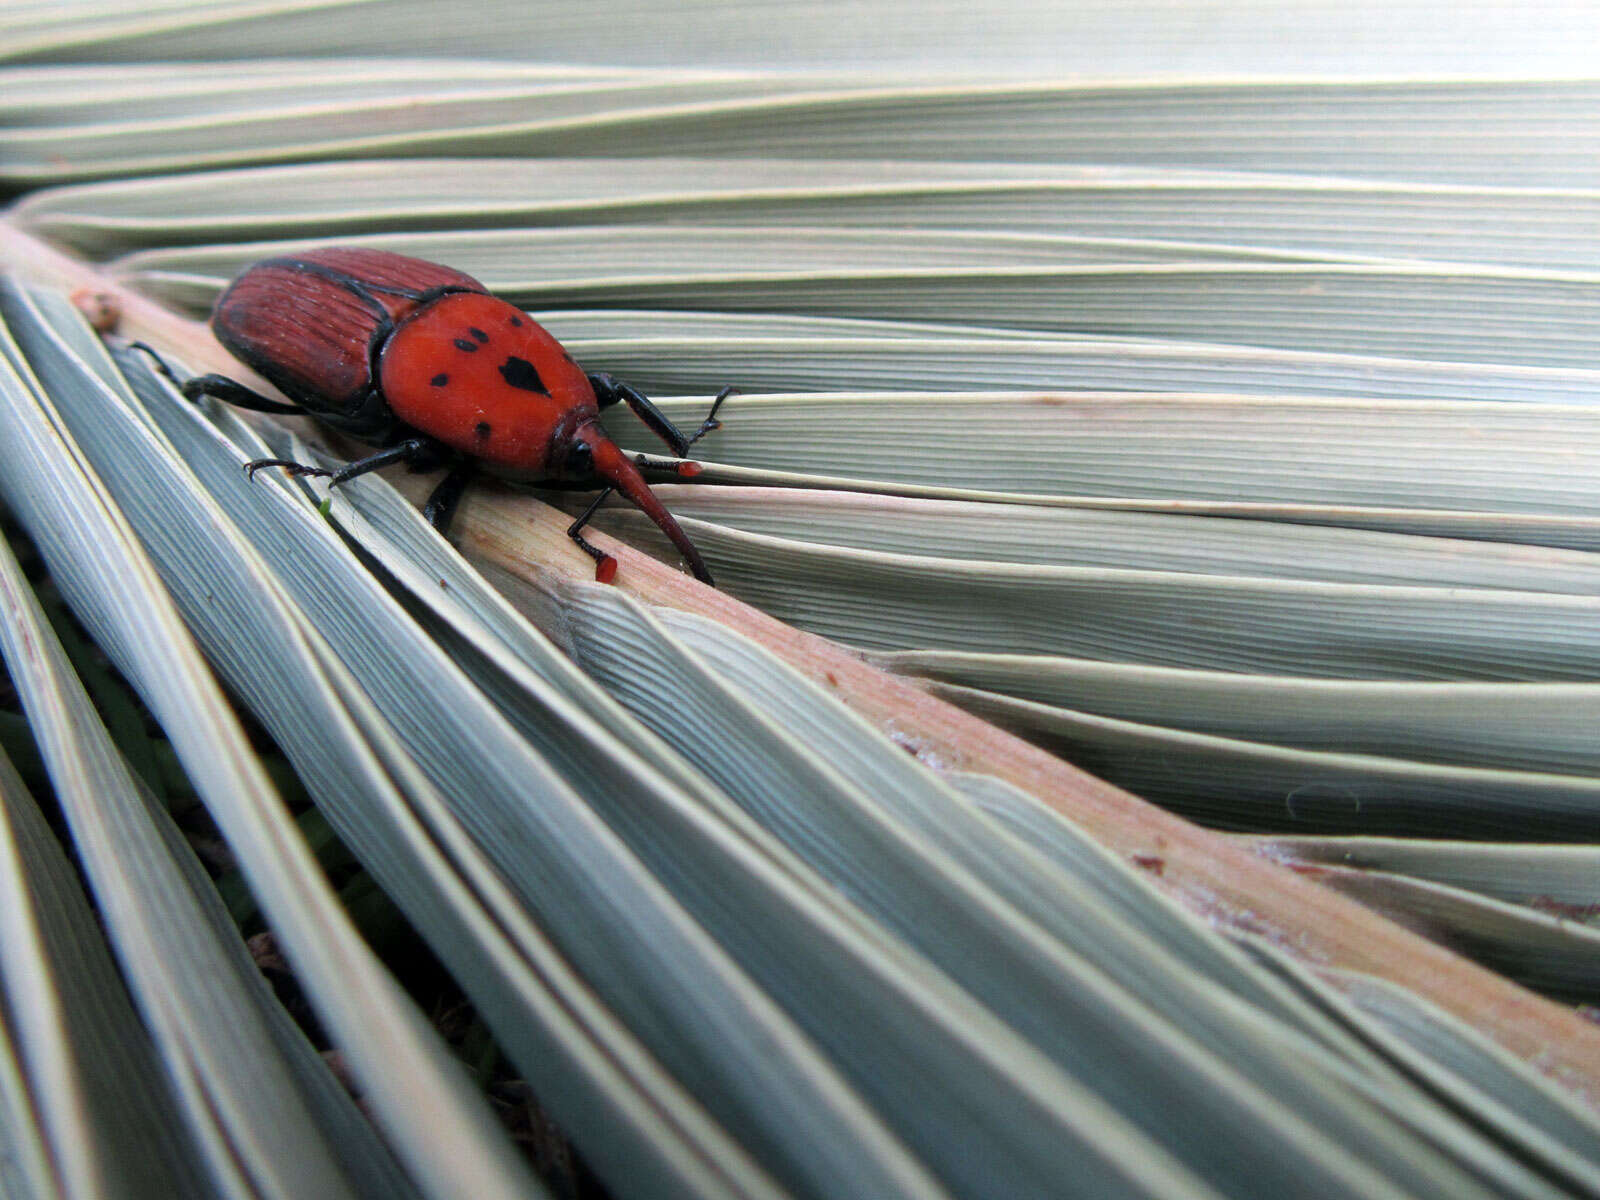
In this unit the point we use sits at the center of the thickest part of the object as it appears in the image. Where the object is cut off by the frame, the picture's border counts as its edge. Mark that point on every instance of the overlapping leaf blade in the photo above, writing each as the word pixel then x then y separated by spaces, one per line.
pixel 1094 40
pixel 85 1106
pixel 1226 586
pixel 95 556
pixel 632 674
pixel 1326 216
pixel 1456 131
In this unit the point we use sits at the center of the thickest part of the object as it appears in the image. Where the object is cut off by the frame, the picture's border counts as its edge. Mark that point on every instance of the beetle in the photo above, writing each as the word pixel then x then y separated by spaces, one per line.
pixel 420 360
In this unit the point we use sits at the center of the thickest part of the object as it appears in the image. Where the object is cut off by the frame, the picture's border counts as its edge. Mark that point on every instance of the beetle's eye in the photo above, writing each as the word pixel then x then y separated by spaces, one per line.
pixel 580 459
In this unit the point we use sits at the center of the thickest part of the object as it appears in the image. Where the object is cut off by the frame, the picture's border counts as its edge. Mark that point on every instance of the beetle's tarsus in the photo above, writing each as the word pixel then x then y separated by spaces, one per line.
pixel 649 462
pixel 605 567
pixel 711 424
pixel 408 451
pixel 293 469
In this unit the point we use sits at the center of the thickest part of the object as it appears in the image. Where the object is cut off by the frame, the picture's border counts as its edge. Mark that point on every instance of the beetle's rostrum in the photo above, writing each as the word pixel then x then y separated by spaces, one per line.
pixel 420 360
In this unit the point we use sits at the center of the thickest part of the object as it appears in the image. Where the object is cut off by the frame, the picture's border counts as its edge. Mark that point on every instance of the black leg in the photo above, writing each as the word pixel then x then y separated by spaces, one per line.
pixel 410 450
pixel 605 567
pixel 440 509
pixel 607 391
pixel 231 392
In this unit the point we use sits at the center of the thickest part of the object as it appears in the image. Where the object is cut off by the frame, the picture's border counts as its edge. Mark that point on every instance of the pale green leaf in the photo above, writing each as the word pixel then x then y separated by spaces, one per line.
pixel 115 591
pixel 1331 217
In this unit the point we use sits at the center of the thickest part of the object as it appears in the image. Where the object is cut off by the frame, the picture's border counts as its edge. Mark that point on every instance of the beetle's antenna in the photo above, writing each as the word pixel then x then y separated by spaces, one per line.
pixel 617 469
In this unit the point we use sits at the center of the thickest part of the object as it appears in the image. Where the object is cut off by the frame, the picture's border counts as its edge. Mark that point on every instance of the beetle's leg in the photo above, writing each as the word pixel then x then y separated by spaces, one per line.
pixel 227 390
pixel 605 567
pixel 412 450
pixel 409 450
pixel 231 392
pixel 441 505
pixel 607 391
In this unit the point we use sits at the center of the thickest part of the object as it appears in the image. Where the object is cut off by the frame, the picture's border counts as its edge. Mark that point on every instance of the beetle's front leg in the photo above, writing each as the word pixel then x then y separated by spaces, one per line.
pixel 711 423
pixel 605 567
pixel 608 390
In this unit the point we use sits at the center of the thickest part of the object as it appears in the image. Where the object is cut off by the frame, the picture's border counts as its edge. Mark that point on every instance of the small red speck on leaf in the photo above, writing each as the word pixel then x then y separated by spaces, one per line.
pixel 833 680
pixel 689 470
pixel 101 309
pixel 606 569
pixel 1153 863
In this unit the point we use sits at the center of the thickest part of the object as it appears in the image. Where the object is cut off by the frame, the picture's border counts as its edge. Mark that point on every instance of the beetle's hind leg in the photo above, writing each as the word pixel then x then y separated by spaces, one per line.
pixel 230 391
pixel 608 390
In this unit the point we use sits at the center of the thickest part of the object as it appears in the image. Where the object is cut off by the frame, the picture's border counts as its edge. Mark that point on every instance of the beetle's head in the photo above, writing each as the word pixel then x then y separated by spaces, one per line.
pixel 572 457
pixel 589 455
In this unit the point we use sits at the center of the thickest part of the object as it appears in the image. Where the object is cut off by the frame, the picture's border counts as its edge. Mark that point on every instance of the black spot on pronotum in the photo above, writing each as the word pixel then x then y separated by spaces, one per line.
pixel 520 373
pixel 439 380
pixel 517 321
pixel 479 334
pixel 464 344
pixel 482 429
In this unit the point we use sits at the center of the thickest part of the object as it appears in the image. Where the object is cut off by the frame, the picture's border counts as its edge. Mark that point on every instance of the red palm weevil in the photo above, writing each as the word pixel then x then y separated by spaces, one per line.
pixel 422 361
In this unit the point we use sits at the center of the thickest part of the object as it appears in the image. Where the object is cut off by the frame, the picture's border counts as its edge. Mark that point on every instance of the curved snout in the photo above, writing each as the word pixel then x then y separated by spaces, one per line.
pixel 617 469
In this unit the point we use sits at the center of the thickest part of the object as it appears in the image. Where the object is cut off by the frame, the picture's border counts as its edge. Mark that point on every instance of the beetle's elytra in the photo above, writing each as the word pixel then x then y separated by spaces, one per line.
pixel 420 360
